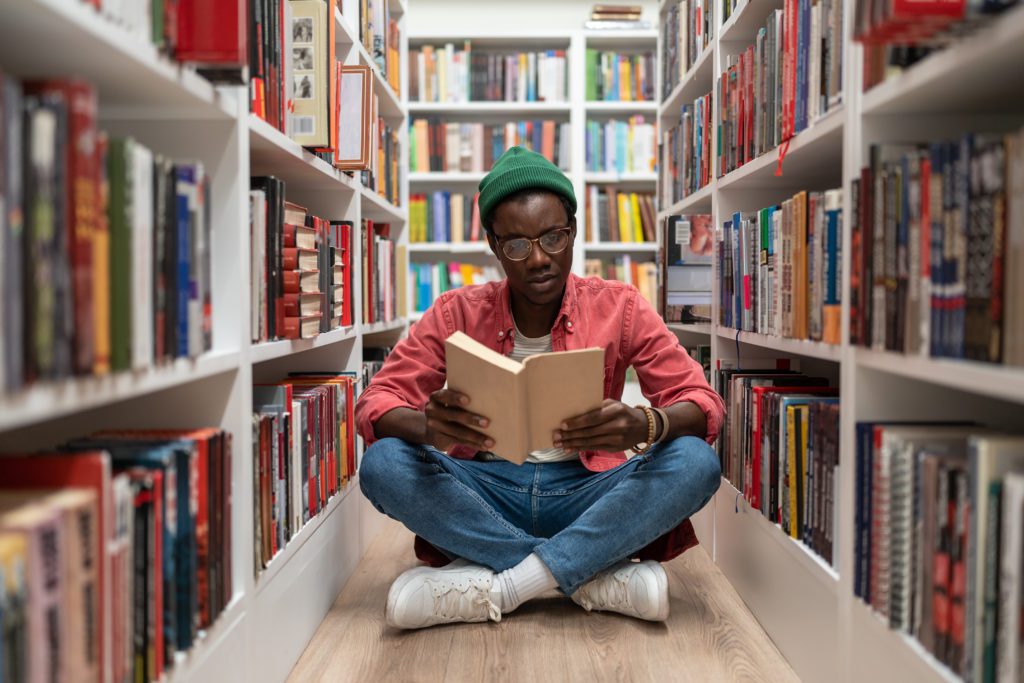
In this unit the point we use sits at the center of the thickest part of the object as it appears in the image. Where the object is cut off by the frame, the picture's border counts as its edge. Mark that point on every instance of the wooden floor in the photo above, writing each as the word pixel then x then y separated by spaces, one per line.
pixel 710 635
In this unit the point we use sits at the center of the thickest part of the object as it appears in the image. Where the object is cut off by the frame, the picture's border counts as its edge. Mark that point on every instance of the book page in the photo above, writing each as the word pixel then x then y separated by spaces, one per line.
pixel 496 391
pixel 561 385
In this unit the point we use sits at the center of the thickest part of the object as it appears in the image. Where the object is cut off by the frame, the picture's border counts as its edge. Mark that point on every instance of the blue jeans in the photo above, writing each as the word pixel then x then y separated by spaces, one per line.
pixel 577 521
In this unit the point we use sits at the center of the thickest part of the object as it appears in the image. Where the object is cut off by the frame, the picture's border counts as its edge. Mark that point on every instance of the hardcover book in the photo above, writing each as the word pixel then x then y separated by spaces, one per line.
pixel 525 402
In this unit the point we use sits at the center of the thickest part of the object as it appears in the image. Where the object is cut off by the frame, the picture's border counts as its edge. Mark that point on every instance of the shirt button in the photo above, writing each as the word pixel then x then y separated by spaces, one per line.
pixel 569 324
pixel 501 334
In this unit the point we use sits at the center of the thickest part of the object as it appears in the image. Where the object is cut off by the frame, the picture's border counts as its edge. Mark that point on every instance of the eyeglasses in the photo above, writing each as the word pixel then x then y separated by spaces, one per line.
pixel 552 242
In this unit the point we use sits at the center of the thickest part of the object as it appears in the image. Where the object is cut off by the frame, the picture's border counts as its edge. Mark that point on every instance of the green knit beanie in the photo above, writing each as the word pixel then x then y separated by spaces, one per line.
pixel 520 169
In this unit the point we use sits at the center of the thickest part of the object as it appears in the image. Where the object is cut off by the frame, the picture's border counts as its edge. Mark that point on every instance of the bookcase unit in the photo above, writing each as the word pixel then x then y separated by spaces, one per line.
pixel 806 606
pixel 577 110
pixel 173 110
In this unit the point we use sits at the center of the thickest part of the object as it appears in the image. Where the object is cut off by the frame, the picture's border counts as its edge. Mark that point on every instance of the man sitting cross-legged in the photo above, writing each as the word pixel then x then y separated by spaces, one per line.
pixel 572 517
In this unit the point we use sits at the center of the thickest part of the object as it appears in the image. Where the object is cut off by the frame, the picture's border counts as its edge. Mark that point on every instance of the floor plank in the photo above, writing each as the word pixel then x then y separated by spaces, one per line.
pixel 710 635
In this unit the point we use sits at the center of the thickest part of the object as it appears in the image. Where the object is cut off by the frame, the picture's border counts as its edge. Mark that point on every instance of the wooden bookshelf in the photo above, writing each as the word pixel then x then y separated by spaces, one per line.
pixel 808 607
pixel 173 110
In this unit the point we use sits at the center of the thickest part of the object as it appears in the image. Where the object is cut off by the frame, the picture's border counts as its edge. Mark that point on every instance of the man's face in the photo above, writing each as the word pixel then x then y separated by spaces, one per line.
pixel 540 277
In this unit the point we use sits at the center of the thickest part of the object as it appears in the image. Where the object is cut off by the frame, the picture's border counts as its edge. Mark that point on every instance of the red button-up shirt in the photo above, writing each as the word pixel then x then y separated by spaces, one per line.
pixel 595 313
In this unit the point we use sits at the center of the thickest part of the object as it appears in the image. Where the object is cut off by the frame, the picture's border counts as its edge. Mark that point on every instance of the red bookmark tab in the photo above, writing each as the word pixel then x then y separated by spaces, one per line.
pixel 782 155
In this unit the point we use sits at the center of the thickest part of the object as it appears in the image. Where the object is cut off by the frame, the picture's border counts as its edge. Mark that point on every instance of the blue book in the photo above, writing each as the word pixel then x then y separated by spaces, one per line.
pixel 833 283
pixel 737 274
pixel 958 276
pixel 437 218
pixel 185 187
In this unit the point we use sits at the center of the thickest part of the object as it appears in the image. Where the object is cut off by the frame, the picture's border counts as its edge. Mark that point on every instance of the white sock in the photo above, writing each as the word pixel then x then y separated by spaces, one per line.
pixel 523 582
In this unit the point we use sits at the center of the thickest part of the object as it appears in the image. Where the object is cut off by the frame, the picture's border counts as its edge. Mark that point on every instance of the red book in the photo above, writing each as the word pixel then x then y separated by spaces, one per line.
pixel 212 33
pixel 81 192
pixel 346 241
pixel 301 282
pixel 305 327
pixel 89 470
pixel 789 59
pixel 294 258
pixel 299 236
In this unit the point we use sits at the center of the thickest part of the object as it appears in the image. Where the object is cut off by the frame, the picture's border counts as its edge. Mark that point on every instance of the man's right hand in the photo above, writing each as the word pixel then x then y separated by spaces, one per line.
pixel 449 424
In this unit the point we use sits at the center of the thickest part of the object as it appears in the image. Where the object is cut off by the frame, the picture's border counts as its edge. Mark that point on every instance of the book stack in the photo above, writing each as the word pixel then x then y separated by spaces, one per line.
pixel 686 272
pixel 939 523
pixel 300 265
pixel 779 446
pixel 616 216
pixel 430 280
pixel 936 256
pixel 619 77
pixel 686 151
pixel 438 146
pixel 641 274
pixel 621 146
pixel 687 28
pixel 105 246
pixel 379 291
pixel 779 86
pixel 897 35
pixel 444 217
pixel 616 18
pixel 303 451
pixel 445 73
pixel 293 71
pixel 122 543
pixel 379 34
pixel 781 268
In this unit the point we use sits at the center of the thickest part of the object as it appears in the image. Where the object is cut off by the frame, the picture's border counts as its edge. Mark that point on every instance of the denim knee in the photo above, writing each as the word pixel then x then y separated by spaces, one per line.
pixel 698 461
pixel 704 463
pixel 377 468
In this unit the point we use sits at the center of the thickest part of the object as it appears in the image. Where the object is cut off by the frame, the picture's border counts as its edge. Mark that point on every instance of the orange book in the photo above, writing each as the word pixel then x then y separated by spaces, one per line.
pixel 548 139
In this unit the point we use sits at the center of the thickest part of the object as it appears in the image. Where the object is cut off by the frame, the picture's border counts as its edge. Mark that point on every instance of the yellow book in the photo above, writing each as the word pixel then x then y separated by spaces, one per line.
pixel 524 69
pixel 430 70
pixel 468 273
pixel 638 226
pixel 625 79
pixel 791 444
pixel 625 215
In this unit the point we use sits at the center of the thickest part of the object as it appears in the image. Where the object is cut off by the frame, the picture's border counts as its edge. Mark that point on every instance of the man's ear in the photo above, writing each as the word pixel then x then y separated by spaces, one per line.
pixel 493 243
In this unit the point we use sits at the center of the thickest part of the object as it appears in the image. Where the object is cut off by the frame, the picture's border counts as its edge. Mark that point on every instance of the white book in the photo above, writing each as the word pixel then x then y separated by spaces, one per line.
pixel 989 458
pixel 1008 640
pixel 298 433
pixel 142 257
pixel 257 254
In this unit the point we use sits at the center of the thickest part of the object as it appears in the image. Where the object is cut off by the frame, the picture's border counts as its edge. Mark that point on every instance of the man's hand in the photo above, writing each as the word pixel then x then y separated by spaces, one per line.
pixel 612 427
pixel 448 424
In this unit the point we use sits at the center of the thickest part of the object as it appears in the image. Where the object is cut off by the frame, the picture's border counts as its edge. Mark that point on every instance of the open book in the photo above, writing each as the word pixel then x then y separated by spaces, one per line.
pixel 525 402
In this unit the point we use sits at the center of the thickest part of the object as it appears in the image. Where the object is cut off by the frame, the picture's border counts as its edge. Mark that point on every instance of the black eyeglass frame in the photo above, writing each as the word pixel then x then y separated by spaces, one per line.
pixel 502 242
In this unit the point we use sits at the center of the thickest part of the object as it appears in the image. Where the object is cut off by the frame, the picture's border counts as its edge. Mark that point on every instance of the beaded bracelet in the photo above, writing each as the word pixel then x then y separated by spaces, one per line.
pixel 645 446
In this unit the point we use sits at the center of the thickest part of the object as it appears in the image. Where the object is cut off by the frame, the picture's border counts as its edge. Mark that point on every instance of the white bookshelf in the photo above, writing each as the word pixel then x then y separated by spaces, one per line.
pixel 807 607
pixel 577 110
pixel 173 110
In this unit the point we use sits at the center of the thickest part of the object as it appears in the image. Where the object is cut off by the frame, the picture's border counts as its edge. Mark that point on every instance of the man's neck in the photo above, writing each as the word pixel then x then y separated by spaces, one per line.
pixel 533 320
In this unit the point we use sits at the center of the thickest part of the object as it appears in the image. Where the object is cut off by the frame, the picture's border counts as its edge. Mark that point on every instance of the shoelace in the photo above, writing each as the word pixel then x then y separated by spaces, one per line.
pixel 609 590
pixel 450 600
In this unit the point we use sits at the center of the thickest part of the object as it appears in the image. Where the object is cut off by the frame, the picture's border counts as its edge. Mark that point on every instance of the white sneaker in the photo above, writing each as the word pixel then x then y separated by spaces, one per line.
pixel 424 596
pixel 636 589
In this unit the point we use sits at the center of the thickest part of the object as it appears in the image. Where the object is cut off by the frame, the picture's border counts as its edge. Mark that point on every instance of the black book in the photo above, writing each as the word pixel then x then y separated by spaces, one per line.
pixel 11 234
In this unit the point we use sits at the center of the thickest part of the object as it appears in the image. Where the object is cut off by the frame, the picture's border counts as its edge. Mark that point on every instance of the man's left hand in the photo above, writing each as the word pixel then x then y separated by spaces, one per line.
pixel 612 427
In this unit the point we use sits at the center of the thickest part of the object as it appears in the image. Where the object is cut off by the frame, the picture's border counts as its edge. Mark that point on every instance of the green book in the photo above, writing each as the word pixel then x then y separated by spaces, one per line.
pixel 119 212
pixel 592 60
pixel 157 10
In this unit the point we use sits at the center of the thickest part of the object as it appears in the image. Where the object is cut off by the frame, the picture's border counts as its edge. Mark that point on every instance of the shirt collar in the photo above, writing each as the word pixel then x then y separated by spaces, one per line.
pixel 566 317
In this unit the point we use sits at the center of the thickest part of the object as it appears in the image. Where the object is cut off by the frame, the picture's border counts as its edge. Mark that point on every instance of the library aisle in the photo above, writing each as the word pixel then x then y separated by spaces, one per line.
pixel 710 635
pixel 218 219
